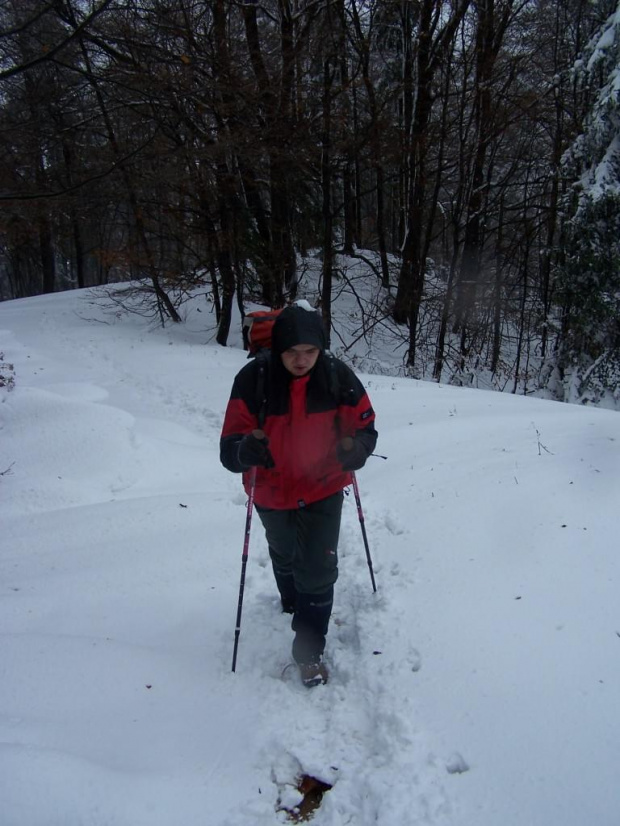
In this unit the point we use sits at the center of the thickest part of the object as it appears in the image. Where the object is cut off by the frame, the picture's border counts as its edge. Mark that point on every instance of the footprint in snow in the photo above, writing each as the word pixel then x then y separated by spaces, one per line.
pixel 456 764
pixel 415 659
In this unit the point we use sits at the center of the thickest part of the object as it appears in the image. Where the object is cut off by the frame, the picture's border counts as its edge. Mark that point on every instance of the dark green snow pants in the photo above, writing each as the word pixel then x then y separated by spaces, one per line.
pixel 303 546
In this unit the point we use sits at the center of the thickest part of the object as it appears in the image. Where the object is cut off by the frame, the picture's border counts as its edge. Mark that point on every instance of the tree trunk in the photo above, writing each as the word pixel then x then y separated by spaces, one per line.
pixel 47 257
pixel 348 205
pixel 76 229
pixel 489 37
pixel 224 184
pixel 406 117
pixel 375 146
pixel 497 292
pixel 277 109
pixel 357 174
pixel 224 253
pixel 445 316
pixel 411 277
pixel 432 43
pixel 326 185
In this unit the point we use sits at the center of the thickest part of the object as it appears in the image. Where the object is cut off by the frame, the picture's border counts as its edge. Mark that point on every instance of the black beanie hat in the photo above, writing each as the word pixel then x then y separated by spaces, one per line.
pixel 296 325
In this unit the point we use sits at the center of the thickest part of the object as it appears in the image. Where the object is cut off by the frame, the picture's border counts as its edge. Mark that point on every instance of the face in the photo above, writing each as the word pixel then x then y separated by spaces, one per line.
pixel 300 359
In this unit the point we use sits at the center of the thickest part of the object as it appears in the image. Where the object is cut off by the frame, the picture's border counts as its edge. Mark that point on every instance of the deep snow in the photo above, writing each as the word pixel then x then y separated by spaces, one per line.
pixel 480 686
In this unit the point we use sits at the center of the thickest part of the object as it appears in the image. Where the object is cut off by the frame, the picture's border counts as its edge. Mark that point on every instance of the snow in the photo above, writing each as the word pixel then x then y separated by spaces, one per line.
pixel 603 40
pixel 600 144
pixel 479 686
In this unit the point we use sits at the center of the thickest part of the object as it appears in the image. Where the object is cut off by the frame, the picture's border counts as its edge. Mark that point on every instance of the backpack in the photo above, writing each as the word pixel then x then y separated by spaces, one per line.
pixel 256 330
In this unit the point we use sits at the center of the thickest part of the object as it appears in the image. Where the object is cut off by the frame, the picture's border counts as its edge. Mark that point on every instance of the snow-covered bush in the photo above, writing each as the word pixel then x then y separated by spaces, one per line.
pixel 7 375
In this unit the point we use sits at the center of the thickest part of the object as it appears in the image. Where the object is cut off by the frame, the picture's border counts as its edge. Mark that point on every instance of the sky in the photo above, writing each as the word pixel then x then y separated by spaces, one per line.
pixel 479 686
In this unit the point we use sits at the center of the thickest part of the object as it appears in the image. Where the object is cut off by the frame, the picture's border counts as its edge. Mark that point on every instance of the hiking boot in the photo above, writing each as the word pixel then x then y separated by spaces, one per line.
pixel 313 673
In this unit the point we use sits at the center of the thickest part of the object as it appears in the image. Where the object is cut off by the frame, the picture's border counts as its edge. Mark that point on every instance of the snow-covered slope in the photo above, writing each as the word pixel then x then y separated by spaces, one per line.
pixel 479 686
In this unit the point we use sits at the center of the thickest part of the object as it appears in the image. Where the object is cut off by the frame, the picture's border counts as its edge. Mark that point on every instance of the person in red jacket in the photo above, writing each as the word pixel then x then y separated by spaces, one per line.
pixel 303 419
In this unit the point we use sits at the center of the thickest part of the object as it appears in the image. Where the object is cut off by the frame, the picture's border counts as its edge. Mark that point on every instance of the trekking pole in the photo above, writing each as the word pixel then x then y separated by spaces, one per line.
pixel 244 562
pixel 360 513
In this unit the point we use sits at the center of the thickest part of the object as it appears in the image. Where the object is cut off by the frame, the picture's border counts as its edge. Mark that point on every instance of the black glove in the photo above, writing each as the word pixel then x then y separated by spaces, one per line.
pixel 351 454
pixel 254 450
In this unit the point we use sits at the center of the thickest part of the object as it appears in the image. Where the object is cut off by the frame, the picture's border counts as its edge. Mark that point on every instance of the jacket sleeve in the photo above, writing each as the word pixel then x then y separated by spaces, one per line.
pixel 355 413
pixel 239 418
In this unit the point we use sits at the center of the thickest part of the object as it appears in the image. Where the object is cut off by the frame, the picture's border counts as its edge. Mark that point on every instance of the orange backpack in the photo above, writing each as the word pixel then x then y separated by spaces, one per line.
pixel 256 330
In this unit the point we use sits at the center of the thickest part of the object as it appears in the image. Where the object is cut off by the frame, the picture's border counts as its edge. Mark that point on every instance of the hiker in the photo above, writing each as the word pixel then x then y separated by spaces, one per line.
pixel 303 419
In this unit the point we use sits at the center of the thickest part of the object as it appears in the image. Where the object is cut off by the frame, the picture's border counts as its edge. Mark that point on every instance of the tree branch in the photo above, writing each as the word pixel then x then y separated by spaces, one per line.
pixel 24 67
pixel 33 196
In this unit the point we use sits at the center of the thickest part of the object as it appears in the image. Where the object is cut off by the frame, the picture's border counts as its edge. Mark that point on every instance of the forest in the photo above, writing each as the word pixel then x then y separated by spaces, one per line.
pixel 467 153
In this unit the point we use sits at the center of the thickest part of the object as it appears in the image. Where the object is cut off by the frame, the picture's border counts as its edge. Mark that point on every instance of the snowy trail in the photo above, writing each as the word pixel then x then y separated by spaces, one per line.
pixel 365 739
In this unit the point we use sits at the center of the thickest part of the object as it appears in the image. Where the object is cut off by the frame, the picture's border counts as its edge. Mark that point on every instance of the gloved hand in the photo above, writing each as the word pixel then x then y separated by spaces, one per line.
pixel 254 450
pixel 351 453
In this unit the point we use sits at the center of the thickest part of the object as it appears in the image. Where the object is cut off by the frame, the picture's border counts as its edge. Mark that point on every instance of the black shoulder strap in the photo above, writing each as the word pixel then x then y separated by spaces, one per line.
pixel 333 377
pixel 262 362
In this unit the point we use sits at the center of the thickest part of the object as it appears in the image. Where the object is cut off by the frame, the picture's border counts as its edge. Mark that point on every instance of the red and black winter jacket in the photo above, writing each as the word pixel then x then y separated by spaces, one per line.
pixel 304 419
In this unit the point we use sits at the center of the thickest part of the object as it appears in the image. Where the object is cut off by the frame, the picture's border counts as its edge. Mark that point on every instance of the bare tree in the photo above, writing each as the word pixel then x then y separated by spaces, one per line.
pixel 435 30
